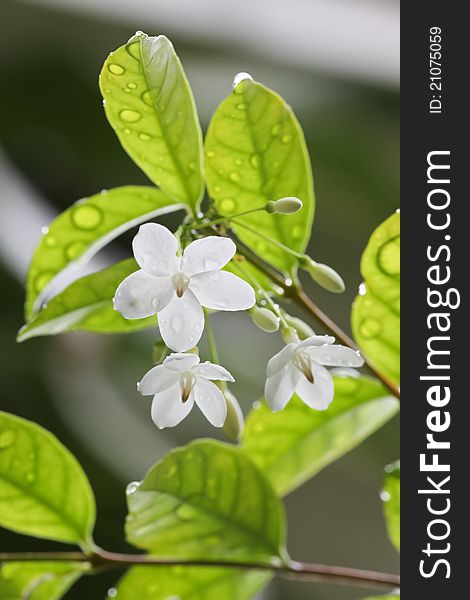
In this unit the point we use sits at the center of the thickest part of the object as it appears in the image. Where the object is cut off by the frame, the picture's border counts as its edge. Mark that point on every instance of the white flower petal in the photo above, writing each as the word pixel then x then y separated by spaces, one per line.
pixel 221 290
pixel 317 340
pixel 141 295
pixel 155 250
pixel 211 401
pixel 280 360
pixel 182 322
pixel 208 370
pixel 335 356
pixel 167 408
pixel 156 380
pixel 181 362
pixel 280 387
pixel 318 394
pixel 207 254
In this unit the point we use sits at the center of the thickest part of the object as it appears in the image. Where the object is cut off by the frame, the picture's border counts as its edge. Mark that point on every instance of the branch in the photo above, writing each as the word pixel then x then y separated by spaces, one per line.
pixel 103 559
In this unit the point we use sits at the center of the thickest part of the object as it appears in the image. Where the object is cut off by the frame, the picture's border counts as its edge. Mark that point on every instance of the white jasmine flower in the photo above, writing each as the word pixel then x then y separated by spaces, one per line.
pixel 177 287
pixel 298 368
pixel 178 383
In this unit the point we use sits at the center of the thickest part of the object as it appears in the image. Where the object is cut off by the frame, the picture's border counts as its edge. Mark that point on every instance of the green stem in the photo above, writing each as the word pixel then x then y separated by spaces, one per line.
pixel 227 219
pixel 103 559
pixel 268 239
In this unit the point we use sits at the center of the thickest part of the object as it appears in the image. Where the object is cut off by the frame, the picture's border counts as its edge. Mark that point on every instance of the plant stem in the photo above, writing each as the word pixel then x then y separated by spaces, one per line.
pixel 103 559
pixel 226 219
pixel 268 239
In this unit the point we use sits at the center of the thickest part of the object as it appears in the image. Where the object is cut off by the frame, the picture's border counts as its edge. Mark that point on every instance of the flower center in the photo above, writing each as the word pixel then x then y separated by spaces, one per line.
pixel 302 362
pixel 180 282
pixel 187 381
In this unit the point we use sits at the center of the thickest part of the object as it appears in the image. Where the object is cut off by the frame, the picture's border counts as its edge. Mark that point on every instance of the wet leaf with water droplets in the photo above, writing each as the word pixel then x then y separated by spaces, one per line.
pixel 84 228
pixel 256 130
pixel 376 310
pixel 214 504
pixel 150 106
pixel 87 304
pixel 291 446
pixel 43 490
pixel 391 499
pixel 38 580
pixel 195 583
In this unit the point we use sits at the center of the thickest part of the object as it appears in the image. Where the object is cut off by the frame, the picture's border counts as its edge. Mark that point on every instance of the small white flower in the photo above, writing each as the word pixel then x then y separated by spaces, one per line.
pixel 178 287
pixel 298 368
pixel 178 383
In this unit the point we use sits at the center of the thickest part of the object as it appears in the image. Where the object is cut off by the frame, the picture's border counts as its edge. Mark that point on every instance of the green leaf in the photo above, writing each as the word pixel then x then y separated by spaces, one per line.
pixel 84 228
pixel 376 313
pixel 256 152
pixel 38 580
pixel 391 499
pixel 43 490
pixel 206 500
pixel 190 583
pixel 87 304
pixel 150 106
pixel 294 444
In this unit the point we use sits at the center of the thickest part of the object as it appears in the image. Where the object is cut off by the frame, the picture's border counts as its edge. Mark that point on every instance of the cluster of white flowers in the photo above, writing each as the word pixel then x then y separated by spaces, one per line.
pixel 176 287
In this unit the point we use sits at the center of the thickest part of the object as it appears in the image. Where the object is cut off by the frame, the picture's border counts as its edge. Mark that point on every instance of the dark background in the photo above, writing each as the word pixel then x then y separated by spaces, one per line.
pixel 336 63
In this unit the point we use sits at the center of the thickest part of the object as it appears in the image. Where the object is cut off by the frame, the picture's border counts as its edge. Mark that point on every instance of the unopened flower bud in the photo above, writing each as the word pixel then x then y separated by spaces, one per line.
pixel 159 352
pixel 234 422
pixel 324 275
pixel 289 335
pixel 284 206
pixel 265 319
pixel 304 331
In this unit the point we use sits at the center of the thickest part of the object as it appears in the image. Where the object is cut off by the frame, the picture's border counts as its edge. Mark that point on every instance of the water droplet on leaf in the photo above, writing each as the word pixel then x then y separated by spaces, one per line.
pixel 116 69
pixel 370 328
pixel 129 115
pixel 7 439
pixel 74 249
pixel 87 216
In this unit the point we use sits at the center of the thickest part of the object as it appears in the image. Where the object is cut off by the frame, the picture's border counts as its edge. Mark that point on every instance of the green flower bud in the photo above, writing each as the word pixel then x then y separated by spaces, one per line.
pixel 234 422
pixel 324 275
pixel 265 319
pixel 304 331
pixel 284 206
pixel 289 335
pixel 159 352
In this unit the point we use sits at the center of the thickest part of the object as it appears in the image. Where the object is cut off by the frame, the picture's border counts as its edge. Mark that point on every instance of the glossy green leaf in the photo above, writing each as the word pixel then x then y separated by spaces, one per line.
pixel 84 228
pixel 256 152
pixel 190 583
pixel 206 500
pixel 391 499
pixel 38 580
pixel 376 311
pixel 43 490
pixel 294 444
pixel 87 304
pixel 150 106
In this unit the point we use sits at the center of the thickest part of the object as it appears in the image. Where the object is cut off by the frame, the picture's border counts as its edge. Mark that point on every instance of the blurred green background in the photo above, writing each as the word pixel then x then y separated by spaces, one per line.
pixel 336 63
